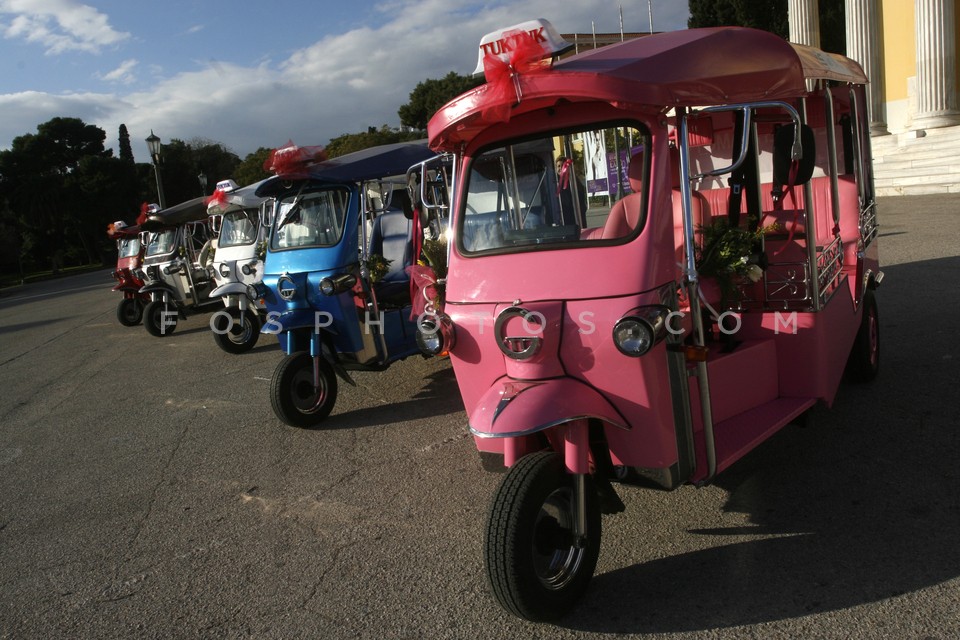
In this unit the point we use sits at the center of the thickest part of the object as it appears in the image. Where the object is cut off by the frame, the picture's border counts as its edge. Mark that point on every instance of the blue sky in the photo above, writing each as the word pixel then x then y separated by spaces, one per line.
pixel 252 75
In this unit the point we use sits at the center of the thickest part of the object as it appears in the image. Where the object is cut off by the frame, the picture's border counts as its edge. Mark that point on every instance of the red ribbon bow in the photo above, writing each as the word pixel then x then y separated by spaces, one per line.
pixel 218 198
pixel 425 296
pixel 291 161
pixel 527 56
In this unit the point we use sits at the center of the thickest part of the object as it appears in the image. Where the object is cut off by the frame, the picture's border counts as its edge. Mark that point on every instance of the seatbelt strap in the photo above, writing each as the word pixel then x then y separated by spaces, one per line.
pixel 417 247
pixel 778 204
pixel 736 177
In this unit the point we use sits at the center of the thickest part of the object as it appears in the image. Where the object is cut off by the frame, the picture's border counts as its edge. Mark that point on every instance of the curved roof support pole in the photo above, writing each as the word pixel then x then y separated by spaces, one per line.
pixel 692 283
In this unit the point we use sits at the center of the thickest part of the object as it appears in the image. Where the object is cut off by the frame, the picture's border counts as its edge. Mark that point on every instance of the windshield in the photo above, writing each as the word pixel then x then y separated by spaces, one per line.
pixel 129 247
pixel 239 228
pixel 313 219
pixel 162 242
pixel 555 190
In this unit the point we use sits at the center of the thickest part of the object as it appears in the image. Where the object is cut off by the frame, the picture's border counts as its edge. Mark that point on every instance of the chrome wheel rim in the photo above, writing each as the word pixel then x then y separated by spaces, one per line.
pixel 306 397
pixel 556 558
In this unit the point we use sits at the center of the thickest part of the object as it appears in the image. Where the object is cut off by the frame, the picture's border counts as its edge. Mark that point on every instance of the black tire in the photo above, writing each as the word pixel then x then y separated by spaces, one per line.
pixel 293 396
pixel 243 334
pixel 130 312
pixel 533 567
pixel 864 362
pixel 153 318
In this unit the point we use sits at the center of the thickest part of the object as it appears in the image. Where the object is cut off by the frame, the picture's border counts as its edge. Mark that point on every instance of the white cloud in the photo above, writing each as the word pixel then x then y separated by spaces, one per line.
pixel 341 84
pixel 60 25
pixel 122 74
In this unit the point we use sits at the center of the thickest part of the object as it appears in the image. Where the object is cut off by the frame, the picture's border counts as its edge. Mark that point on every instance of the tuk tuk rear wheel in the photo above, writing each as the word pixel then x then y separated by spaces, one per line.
pixel 295 399
pixel 130 312
pixel 864 362
pixel 535 567
pixel 243 333
pixel 153 318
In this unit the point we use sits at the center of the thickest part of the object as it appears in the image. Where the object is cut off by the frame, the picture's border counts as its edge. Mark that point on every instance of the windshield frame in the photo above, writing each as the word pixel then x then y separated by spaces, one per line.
pixel 123 250
pixel 152 241
pixel 506 147
pixel 281 219
pixel 253 215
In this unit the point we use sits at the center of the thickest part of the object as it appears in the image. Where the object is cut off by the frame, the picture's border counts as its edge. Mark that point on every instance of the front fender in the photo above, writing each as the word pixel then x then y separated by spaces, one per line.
pixel 127 286
pixel 229 289
pixel 512 408
pixel 158 287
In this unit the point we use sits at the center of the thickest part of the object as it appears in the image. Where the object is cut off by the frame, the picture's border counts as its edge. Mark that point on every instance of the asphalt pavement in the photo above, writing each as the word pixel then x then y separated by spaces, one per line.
pixel 148 491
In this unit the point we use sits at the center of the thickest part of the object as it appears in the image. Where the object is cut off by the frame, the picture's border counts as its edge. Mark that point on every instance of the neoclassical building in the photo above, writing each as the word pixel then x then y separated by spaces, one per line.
pixel 908 49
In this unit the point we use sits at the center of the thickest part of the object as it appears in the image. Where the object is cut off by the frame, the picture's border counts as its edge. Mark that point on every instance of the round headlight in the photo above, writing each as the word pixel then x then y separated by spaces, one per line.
pixel 224 270
pixel 246 270
pixel 337 284
pixel 642 328
pixel 430 342
pixel 633 336
pixel 327 287
pixel 435 335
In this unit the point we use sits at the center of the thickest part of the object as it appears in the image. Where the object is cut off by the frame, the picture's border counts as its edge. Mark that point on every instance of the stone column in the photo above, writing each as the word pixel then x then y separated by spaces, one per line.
pixel 936 65
pixel 804 19
pixel 863 45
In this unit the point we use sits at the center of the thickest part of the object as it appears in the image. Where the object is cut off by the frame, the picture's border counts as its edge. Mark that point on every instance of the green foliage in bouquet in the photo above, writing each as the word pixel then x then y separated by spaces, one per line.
pixel 435 255
pixel 377 266
pixel 724 254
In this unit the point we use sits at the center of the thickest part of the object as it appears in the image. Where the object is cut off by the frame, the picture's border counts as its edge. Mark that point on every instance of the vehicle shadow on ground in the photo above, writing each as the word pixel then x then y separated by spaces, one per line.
pixel 439 396
pixel 13 328
pixel 855 508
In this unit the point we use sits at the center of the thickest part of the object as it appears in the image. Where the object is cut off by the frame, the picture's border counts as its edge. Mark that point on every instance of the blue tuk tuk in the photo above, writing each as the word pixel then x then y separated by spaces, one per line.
pixel 335 284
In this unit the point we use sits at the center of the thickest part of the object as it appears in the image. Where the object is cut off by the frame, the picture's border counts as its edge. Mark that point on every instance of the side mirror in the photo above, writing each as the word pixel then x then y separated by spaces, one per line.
pixel 413 187
pixel 784 141
pixel 267 210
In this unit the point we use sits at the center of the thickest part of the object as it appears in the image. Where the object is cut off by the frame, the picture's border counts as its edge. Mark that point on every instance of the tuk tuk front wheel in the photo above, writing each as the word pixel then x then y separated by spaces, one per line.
pixel 159 318
pixel 239 335
pixel 299 400
pixel 864 362
pixel 130 312
pixel 535 566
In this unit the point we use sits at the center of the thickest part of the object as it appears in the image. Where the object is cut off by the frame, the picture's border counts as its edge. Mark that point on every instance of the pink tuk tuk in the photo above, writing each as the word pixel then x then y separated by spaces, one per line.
pixel 662 252
pixel 129 261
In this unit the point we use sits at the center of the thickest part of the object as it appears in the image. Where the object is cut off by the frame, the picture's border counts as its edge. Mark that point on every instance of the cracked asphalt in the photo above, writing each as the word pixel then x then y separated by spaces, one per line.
pixel 147 491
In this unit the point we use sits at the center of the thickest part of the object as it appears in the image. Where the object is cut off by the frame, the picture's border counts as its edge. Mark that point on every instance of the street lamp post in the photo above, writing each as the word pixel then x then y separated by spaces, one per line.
pixel 202 178
pixel 153 145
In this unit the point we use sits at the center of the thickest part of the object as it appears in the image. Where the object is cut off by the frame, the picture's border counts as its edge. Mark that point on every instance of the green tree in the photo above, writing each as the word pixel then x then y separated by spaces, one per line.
pixel 34 177
pixel 126 152
pixel 251 169
pixel 99 192
pixel 181 163
pixel 769 15
pixel 429 95
pixel 350 142
pixel 833 31
pixel 214 160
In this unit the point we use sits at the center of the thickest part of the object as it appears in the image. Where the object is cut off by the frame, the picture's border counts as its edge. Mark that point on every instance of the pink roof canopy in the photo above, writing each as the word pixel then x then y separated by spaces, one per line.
pixel 693 67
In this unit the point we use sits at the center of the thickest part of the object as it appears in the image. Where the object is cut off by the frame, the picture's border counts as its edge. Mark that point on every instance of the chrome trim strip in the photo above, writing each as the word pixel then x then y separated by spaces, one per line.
pixel 545 426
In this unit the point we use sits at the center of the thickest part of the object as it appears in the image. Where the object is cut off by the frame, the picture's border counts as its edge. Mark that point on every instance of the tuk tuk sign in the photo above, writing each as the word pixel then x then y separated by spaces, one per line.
pixel 501 43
